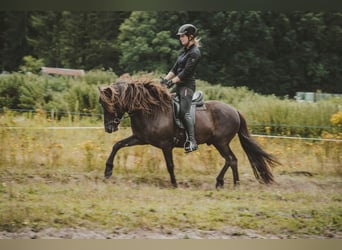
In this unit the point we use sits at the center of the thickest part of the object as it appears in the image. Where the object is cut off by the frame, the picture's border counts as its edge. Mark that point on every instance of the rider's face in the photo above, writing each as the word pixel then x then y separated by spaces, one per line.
pixel 184 39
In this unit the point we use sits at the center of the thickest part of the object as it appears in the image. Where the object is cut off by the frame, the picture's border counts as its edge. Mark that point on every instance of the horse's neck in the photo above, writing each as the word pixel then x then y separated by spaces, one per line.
pixel 141 119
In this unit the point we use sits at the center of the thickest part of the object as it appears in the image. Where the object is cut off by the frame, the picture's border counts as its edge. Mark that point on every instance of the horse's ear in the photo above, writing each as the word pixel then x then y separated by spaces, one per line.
pixel 107 91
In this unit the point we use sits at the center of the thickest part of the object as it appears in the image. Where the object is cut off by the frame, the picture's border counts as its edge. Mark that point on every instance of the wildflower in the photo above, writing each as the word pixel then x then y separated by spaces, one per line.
pixel 336 119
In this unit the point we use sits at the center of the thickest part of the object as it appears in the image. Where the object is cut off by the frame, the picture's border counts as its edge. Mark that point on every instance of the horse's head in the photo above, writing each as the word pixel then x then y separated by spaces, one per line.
pixel 112 111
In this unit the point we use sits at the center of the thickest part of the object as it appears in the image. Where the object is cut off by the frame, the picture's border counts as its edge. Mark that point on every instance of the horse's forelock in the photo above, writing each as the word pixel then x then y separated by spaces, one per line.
pixel 107 97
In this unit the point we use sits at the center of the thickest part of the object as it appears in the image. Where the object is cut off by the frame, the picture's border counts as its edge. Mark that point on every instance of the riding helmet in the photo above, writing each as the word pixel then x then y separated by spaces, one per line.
pixel 187 29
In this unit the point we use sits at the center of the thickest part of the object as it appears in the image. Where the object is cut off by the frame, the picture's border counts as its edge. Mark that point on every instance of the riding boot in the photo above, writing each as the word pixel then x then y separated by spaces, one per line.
pixel 190 144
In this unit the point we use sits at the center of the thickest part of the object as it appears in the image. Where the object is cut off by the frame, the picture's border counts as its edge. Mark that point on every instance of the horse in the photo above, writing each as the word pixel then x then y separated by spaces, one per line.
pixel 148 105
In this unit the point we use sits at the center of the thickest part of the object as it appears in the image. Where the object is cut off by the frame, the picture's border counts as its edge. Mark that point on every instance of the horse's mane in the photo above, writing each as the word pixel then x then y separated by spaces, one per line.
pixel 136 93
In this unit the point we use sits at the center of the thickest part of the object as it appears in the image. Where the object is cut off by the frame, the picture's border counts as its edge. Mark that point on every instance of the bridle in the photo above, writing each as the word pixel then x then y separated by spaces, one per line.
pixel 118 116
pixel 115 122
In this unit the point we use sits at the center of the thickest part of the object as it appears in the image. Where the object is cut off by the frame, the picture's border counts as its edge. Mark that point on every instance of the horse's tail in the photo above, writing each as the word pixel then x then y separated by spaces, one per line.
pixel 260 160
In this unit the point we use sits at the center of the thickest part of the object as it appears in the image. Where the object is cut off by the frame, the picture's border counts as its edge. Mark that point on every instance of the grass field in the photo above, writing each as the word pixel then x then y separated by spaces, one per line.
pixel 53 179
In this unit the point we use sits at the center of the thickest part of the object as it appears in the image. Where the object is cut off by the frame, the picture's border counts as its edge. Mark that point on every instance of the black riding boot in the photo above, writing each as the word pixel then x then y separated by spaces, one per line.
pixel 190 144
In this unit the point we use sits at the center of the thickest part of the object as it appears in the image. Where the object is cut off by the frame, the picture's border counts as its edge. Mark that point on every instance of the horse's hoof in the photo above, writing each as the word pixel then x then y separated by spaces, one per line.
pixel 108 175
pixel 175 185
pixel 219 184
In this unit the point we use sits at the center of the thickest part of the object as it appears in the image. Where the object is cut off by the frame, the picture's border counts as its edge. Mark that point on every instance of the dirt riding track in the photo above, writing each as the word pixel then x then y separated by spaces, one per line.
pixel 143 202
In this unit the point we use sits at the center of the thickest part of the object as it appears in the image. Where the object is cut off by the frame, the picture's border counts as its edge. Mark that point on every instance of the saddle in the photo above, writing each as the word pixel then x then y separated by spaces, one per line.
pixel 197 102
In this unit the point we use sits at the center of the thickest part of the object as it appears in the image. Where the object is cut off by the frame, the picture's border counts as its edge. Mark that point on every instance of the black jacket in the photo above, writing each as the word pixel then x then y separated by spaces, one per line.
pixel 185 66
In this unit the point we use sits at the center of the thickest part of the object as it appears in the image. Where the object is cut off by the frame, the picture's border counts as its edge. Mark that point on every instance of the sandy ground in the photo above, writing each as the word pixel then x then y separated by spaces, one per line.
pixel 80 233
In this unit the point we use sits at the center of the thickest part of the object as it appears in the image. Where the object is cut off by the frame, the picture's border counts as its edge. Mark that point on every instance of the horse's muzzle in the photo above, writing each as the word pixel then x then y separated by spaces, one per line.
pixel 112 126
pixel 111 129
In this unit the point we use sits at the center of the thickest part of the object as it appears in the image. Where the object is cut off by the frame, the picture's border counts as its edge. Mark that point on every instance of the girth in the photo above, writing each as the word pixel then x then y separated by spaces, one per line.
pixel 197 101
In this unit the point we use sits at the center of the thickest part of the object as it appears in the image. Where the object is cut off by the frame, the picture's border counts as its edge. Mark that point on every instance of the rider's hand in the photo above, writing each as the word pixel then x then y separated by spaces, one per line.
pixel 167 83
pixel 163 80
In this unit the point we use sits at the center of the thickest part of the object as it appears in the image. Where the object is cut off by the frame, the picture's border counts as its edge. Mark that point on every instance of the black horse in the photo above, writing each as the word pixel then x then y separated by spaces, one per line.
pixel 148 105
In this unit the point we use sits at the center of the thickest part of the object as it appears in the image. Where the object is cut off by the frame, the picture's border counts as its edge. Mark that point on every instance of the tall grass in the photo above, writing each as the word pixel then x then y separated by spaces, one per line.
pixel 33 142
pixel 272 115
pixel 54 178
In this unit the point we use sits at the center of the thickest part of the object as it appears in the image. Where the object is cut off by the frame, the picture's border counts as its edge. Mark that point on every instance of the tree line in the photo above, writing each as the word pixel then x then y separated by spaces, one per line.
pixel 269 52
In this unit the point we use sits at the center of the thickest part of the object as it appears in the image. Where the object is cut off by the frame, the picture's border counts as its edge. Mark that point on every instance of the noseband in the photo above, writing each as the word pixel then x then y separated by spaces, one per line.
pixel 116 122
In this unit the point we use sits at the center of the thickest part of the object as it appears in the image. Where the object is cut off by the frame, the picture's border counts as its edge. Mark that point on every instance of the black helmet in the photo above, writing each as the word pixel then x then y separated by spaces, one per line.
pixel 187 29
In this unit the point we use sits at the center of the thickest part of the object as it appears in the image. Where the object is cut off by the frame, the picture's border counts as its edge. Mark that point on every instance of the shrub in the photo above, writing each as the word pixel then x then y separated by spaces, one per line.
pixel 31 64
pixel 99 77
pixel 265 114
pixel 9 90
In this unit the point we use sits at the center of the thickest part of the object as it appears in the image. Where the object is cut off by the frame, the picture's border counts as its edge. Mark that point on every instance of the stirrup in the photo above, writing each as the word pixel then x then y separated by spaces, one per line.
pixel 189 146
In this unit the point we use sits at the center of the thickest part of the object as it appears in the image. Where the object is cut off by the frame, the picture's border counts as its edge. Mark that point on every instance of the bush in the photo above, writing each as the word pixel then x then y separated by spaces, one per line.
pixel 265 114
pixel 9 90
pixel 31 64
pixel 272 115
pixel 99 77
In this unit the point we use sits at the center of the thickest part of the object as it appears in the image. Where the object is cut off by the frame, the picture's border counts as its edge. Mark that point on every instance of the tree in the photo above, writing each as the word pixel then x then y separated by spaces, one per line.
pixel 145 43
pixel 267 51
pixel 76 39
pixel 240 45
pixel 89 39
pixel 273 52
pixel 14 29
pixel 46 37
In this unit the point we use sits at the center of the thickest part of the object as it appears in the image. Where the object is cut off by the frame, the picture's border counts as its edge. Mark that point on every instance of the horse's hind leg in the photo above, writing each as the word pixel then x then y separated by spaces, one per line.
pixel 230 160
pixel 170 166
pixel 219 178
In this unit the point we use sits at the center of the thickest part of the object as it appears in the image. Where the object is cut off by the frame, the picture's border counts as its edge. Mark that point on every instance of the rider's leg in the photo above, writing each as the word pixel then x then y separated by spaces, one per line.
pixel 191 144
pixel 185 95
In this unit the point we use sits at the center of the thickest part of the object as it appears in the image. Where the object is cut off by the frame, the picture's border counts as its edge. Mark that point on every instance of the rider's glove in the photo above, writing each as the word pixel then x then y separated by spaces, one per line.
pixel 167 83
pixel 163 80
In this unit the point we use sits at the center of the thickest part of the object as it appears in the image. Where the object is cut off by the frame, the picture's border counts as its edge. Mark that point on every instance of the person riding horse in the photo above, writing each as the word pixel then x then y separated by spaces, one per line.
pixel 182 76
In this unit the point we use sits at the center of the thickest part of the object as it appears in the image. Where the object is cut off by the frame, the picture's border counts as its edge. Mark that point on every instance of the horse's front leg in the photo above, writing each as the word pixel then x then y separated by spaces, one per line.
pixel 129 141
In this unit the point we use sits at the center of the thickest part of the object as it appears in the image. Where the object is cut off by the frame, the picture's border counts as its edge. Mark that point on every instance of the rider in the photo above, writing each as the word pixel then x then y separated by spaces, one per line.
pixel 182 75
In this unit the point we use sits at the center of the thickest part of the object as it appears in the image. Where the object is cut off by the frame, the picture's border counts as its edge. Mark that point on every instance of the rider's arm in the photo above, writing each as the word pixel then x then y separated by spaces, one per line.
pixel 170 75
pixel 173 77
